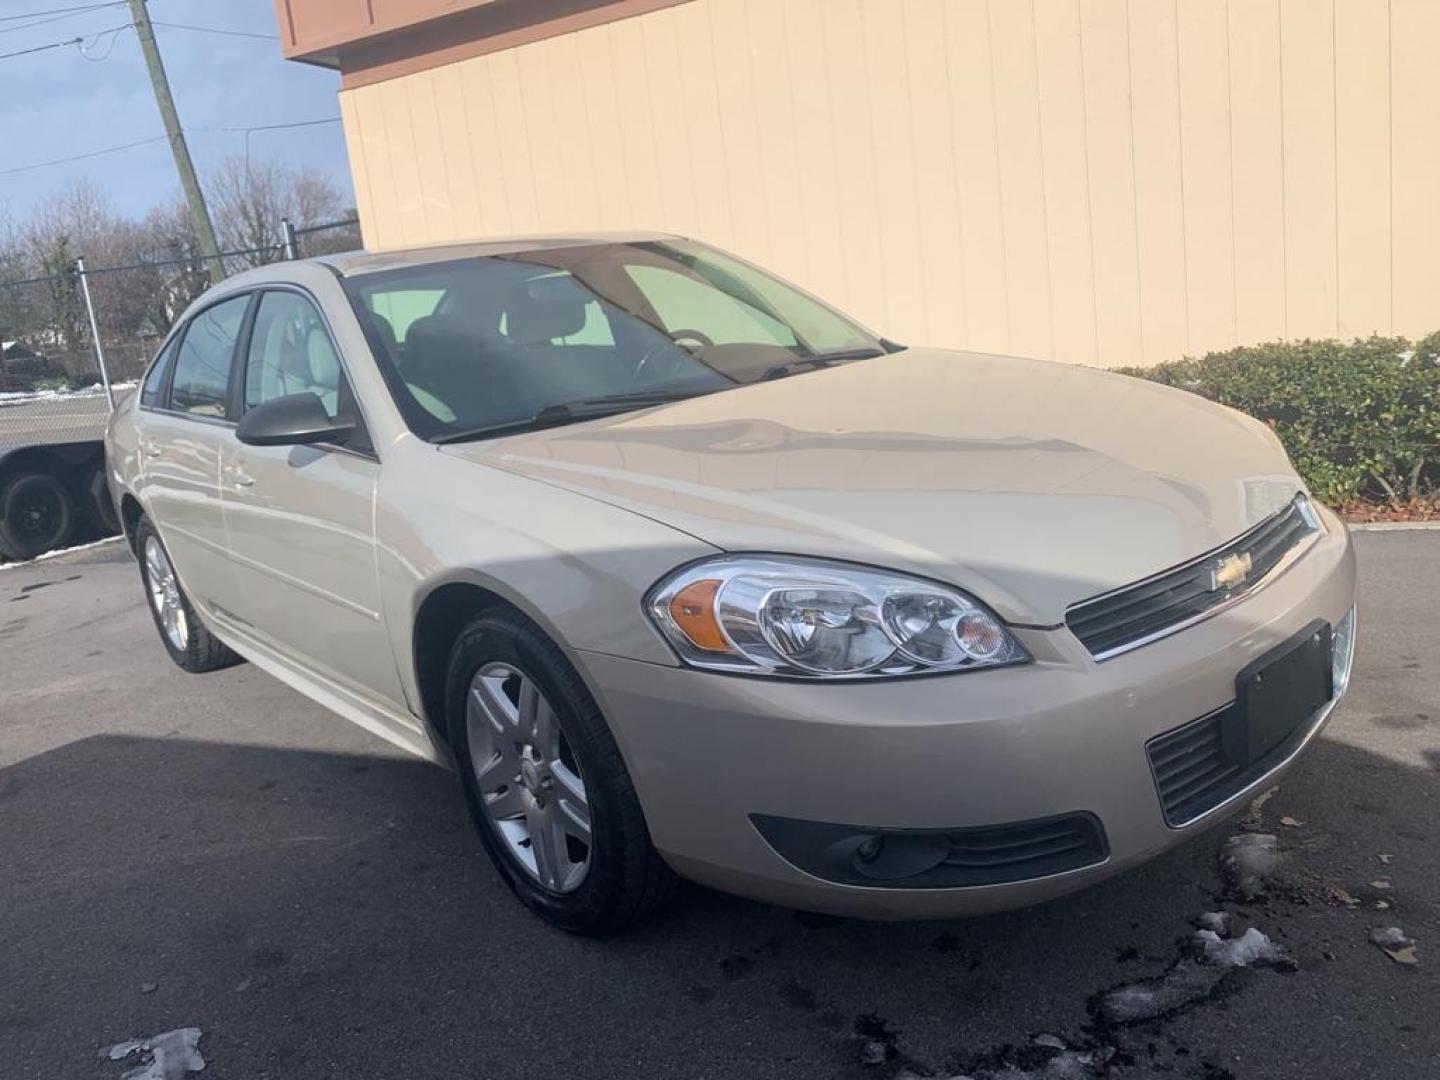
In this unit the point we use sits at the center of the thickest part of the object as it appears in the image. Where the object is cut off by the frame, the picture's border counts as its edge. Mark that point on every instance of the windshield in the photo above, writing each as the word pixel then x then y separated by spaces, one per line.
pixel 475 346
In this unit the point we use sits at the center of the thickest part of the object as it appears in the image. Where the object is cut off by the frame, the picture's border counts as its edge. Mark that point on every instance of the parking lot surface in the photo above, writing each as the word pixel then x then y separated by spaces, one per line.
pixel 217 852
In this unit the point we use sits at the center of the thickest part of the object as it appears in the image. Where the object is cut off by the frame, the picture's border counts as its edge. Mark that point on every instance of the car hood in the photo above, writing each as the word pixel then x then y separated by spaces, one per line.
pixel 1030 484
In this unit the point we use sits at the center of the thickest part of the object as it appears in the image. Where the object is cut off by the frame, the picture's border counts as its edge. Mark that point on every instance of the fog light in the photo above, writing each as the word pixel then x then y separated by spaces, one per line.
pixel 900 855
pixel 869 849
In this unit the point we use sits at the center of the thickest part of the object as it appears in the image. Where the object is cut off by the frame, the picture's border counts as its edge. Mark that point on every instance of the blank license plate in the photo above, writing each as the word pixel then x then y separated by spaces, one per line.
pixel 1278 693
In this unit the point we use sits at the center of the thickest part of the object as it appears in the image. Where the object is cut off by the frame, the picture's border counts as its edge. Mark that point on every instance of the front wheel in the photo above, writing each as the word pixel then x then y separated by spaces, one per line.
pixel 545 783
pixel 185 637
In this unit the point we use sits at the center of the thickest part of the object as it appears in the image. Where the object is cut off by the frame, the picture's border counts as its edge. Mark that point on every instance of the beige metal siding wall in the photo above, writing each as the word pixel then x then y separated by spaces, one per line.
pixel 1093 180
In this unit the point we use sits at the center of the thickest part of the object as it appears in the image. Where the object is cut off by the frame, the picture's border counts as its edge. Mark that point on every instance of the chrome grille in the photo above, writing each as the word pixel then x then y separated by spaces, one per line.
pixel 1138 614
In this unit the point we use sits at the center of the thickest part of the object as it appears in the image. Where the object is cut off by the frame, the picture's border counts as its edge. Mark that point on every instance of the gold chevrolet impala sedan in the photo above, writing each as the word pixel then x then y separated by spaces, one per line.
pixel 689 575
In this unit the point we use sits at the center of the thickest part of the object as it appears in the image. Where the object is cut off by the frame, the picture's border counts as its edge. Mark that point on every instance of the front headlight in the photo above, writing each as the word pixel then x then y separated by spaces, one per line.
pixel 804 617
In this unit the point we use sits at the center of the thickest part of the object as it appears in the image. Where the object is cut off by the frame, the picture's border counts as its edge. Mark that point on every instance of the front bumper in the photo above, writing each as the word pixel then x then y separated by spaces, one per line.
pixel 1063 736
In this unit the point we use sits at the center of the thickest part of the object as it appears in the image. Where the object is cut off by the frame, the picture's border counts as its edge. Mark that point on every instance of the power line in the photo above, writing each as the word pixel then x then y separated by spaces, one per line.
pixel 28 25
pixel 114 33
pixel 274 127
pixel 80 41
pixel 62 11
pixel 115 30
pixel 57 18
pixel 213 30
pixel 41 48
pixel 158 138
pixel 80 157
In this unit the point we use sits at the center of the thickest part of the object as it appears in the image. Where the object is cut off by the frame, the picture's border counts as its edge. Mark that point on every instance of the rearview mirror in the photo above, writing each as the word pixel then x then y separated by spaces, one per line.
pixel 293 420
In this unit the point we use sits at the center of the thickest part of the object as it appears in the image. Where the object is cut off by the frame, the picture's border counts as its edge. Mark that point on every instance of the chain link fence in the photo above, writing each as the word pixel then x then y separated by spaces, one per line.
pixel 55 384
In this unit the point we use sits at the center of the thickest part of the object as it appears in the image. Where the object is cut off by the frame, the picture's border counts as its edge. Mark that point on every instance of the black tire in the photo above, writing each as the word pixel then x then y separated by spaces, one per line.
pixel 37 515
pixel 202 651
pixel 99 507
pixel 626 879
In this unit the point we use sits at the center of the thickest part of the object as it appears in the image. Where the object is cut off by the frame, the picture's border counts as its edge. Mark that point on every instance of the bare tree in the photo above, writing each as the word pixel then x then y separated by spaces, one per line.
pixel 144 271
pixel 180 275
pixel 249 200
pixel 63 227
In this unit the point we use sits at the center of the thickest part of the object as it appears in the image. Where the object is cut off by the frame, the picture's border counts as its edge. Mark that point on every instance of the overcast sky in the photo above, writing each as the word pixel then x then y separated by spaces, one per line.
pixel 57 103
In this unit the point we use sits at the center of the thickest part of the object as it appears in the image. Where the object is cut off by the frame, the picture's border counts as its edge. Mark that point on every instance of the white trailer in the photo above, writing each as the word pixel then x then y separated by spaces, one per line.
pixel 52 471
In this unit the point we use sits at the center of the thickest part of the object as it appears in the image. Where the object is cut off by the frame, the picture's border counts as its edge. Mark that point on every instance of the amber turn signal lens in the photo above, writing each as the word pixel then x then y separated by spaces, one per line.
pixel 693 609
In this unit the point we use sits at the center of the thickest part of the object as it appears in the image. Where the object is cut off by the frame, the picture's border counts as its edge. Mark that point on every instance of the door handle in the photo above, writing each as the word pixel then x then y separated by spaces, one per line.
pixel 238 476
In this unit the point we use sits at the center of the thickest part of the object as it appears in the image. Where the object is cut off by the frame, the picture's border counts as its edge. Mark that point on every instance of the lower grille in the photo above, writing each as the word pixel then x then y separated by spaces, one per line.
pixel 1033 849
pixel 1194 774
pixel 936 858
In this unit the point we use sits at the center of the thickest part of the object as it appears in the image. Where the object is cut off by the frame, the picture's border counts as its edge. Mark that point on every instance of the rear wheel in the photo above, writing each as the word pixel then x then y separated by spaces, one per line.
pixel 37 515
pixel 547 788
pixel 185 637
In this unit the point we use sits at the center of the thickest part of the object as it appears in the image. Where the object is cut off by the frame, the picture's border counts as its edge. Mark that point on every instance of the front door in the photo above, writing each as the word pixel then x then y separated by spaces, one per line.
pixel 300 519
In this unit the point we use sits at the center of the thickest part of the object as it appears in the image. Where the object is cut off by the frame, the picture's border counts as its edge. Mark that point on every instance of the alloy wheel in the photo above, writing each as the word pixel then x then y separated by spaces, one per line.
pixel 164 592
pixel 530 784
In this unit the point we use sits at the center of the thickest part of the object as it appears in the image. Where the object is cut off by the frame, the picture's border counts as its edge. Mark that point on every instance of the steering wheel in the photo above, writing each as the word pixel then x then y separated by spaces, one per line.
pixel 676 337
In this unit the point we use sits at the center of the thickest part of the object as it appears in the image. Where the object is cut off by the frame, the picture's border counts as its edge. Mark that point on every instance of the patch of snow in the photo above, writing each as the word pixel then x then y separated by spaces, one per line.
pixel 1395 944
pixel 167 1056
pixel 1217 922
pixel 1187 982
pixel 60 551
pixel 874 1052
pixel 1249 863
pixel 1252 947
pixel 1192 979
pixel 97 389
pixel 1389 937
pixel 1065 1064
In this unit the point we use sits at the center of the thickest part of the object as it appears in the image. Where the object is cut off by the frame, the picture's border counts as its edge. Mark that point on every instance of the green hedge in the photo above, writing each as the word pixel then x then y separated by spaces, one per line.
pixel 1361 419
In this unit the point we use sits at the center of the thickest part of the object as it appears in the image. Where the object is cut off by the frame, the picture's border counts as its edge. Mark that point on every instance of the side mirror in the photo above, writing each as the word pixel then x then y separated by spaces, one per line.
pixel 293 420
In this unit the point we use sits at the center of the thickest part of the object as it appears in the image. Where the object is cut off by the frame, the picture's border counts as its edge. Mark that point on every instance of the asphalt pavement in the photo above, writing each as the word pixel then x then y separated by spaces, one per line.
pixel 217 852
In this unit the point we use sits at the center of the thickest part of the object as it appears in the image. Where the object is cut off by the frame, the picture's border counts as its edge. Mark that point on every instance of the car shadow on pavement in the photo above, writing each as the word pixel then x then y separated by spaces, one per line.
pixel 320 914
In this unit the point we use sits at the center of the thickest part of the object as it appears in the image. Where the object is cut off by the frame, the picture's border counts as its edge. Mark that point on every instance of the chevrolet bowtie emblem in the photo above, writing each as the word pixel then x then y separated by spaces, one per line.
pixel 1231 571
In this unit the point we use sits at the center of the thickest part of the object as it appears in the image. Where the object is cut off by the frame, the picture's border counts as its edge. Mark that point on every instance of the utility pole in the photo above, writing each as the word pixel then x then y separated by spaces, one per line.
pixel 194 197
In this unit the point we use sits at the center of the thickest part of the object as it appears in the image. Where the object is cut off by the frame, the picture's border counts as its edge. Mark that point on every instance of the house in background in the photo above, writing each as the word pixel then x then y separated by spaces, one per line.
pixel 1092 180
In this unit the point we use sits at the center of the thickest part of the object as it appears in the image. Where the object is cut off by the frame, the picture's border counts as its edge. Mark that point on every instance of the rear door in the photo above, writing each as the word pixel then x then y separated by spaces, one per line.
pixel 180 436
pixel 300 519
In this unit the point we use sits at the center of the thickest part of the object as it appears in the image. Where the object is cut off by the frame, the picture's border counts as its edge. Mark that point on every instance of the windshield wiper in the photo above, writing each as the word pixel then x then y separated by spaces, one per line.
pixel 567 412
pixel 819 360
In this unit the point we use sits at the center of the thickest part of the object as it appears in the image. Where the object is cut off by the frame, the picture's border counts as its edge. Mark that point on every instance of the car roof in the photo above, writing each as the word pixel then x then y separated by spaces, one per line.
pixel 353 263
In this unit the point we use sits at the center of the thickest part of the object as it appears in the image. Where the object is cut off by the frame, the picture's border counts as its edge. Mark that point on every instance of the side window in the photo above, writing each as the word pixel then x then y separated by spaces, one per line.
pixel 685 304
pixel 202 367
pixel 291 353
pixel 155 380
